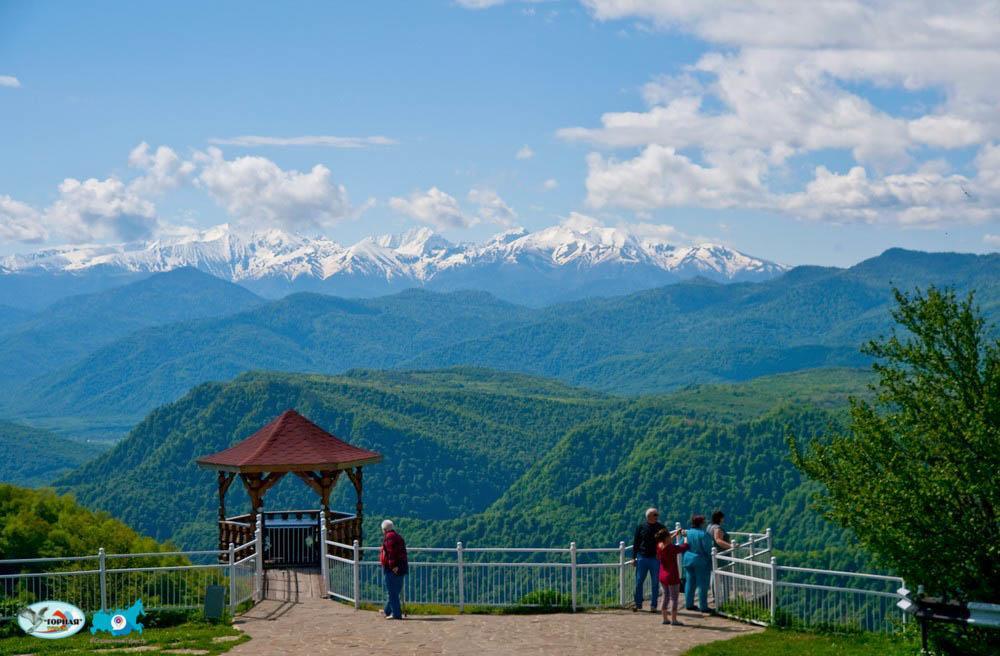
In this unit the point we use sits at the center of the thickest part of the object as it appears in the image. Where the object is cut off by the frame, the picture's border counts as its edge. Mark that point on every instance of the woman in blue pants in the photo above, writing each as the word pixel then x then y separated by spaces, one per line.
pixel 698 564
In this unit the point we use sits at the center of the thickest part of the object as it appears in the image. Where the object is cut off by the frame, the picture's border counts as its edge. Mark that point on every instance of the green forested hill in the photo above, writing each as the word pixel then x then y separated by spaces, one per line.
pixel 598 479
pixel 657 340
pixel 488 457
pixel 452 441
pixel 40 524
pixel 31 456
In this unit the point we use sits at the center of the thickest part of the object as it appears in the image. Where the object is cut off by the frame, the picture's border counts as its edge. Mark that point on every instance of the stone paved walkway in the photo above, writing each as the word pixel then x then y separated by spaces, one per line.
pixel 300 625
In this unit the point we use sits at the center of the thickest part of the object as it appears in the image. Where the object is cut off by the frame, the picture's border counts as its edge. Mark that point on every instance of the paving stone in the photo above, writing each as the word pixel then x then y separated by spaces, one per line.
pixel 317 627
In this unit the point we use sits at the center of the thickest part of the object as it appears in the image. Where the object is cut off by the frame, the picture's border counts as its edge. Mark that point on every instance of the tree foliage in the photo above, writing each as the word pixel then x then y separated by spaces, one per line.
pixel 42 524
pixel 916 475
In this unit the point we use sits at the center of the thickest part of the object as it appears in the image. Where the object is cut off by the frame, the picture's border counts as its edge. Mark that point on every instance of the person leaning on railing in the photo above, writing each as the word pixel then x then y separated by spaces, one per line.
pixel 645 561
pixel 394 567
pixel 718 533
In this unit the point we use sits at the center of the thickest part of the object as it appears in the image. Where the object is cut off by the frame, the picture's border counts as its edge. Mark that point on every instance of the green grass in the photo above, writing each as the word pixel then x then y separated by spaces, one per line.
pixel 193 635
pixel 775 642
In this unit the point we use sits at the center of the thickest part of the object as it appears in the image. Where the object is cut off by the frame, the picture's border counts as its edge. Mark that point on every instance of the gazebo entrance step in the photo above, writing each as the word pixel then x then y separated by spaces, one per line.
pixel 293 584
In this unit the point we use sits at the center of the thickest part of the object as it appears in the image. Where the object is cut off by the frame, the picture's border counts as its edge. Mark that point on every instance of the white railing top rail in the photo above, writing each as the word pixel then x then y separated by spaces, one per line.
pixel 154 554
pixel 561 550
pixel 745 561
pixel 31 575
pixel 163 568
pixel 837 588
pixel 20 561
pixel 828 572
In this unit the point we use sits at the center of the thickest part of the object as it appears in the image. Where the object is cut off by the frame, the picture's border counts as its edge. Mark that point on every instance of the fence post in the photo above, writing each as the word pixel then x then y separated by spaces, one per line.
pixel 324 564
pixel 774 585
pixel 715 567
pixel 459 550
pixel 103 578
pixel 768 534
pixel 572 576
pixel 621 574
pixel 357 575
pixel 259 558
pixel 232 580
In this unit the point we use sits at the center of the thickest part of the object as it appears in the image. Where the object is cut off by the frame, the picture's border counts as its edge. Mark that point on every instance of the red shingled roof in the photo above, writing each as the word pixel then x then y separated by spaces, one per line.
pixel 289 443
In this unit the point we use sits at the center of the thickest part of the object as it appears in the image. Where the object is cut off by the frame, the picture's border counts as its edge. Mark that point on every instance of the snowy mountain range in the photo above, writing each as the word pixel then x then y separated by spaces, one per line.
pixel 557 263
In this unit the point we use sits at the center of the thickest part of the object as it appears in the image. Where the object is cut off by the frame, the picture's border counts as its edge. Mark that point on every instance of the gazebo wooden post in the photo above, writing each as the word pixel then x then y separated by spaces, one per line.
pixel 225 480
pixel 355 477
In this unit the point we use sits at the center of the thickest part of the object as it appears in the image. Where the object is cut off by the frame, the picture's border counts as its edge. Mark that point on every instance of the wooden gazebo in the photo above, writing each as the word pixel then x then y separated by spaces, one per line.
pixel 289 444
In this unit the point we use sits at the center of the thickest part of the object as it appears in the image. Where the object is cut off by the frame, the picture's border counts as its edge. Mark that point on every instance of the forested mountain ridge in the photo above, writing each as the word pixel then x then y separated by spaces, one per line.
pixel 76 326
pixel 484 456
pixel 32 456
pixel 657 340
pixel 452 441
pixel 302 332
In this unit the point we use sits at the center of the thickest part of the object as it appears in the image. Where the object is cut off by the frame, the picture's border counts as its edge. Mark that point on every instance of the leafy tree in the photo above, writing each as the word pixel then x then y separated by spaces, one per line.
pixel 915 478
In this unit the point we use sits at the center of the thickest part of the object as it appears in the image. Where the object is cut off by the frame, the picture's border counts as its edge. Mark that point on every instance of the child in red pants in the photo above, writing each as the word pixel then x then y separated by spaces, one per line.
pixel 670 578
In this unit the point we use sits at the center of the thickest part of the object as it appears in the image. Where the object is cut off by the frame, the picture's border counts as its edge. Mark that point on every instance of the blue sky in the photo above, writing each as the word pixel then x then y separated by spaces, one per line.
pixel 798 136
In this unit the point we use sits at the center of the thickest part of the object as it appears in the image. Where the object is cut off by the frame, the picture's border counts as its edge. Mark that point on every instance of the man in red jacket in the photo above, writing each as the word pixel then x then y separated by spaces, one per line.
pixel 394 567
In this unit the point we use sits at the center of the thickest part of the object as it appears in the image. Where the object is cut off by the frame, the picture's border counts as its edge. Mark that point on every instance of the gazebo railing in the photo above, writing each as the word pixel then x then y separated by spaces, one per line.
pixel 291 537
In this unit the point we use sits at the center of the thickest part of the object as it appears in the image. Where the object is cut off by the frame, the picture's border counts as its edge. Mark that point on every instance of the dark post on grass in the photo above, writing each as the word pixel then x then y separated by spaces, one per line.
pixel 933 609
pixel 215 601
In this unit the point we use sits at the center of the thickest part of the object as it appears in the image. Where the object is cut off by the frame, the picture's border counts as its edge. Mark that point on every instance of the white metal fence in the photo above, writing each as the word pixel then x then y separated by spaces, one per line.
pixel 163 580
pixel 496 576
pixel 750 585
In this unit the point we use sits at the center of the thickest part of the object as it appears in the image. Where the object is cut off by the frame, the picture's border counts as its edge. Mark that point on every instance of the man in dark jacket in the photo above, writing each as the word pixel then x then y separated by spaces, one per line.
pixel 394 567
pixel 646 562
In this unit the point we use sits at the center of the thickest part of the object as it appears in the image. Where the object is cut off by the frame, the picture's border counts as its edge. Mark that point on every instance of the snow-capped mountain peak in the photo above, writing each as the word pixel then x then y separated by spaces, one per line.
pixel 419 257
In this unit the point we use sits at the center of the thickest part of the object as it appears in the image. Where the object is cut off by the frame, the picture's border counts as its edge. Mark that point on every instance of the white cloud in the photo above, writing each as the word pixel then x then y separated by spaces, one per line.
pixel 785 82
pixel 479 4
pixel 550 184
pixel 525 152
pixel 492 208
pixel 927 197
pixel 433 207
pixel 309 140
pixel 257 192
pixel 992 240
pixel 94 210
pixel 893 24
pixel 20 222
pixel 164 169
pixel 10 81
pixel 661 177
